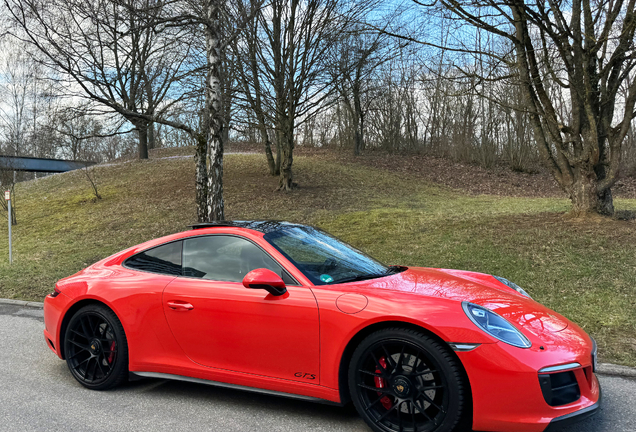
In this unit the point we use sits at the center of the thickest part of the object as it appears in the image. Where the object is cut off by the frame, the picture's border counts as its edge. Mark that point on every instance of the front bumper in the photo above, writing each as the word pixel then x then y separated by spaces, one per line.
pixel 575 417
pixel 506 392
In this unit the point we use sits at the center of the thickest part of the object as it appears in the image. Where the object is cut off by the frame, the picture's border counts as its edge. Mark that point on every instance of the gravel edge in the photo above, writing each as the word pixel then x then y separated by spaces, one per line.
pixel 616 370
pixel 36 305
pixel 603 368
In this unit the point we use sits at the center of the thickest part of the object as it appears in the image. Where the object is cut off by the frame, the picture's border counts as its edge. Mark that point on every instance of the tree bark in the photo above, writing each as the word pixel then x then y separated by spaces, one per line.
pixel 201 179
pixel 151 135
pixel 210 143
pixel 214 109
pixel 151 112
pixel 286 182
pixel 273 164
pixel 216 205
pixel 279 157
pixel 587 199
pixel 142 130
pixel 358 137
pixel 605 204
pixel 225 135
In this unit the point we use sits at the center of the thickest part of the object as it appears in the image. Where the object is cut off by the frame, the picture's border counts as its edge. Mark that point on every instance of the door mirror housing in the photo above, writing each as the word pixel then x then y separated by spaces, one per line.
pixel 265 279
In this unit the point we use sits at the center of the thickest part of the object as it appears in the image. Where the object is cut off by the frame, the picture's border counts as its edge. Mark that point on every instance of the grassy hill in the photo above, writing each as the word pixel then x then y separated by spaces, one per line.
pixel 585 270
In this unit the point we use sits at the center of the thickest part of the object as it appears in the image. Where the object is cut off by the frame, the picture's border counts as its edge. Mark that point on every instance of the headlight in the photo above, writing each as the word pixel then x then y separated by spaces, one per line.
pixel 512 285
pixel 495 325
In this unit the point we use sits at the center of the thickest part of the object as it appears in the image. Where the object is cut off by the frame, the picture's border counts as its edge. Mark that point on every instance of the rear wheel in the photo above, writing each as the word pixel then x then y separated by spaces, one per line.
pixel 95 348
pixel 405 381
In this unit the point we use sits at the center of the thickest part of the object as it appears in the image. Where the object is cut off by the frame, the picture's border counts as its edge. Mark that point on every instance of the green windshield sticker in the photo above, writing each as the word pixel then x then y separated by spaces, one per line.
pixel 326 278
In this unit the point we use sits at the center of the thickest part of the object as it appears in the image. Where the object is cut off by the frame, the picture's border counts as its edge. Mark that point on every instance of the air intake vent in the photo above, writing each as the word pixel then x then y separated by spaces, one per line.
pixel 559 388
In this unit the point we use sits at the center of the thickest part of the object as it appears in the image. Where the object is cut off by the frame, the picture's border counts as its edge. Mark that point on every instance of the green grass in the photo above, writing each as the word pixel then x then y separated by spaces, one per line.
pixel 585 270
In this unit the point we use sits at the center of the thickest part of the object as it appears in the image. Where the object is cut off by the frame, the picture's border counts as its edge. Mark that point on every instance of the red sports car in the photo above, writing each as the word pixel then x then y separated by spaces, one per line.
pixel 288 309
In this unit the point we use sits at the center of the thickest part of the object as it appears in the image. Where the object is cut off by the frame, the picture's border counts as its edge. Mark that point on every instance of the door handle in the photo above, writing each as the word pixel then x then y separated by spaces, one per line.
pixel 180 305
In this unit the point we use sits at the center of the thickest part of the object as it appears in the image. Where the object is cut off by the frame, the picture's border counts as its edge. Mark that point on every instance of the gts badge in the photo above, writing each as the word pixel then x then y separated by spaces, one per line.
pixel 305 375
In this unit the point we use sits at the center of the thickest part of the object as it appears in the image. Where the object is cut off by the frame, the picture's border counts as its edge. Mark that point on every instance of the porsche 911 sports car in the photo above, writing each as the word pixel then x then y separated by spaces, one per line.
pixel 287 309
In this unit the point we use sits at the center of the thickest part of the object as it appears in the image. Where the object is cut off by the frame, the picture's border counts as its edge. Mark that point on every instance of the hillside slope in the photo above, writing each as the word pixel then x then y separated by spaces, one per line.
pixel 584 270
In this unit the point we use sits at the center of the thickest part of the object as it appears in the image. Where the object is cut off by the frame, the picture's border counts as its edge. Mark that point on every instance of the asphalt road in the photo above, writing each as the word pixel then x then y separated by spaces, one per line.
pixel 37 393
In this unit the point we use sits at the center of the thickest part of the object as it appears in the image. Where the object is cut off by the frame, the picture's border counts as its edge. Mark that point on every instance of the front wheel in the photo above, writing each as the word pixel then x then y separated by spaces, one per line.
pixel 96 349
pixel 405 381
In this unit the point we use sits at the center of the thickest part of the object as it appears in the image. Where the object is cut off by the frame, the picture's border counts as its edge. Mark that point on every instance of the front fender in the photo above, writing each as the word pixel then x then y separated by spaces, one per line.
pixel 442 317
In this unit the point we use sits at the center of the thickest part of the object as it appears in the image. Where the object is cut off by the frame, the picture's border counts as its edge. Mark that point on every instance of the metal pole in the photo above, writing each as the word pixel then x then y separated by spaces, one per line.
pixel 9 213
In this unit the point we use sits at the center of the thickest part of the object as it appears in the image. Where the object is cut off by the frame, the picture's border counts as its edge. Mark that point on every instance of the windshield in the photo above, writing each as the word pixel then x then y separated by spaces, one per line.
pixel 323 258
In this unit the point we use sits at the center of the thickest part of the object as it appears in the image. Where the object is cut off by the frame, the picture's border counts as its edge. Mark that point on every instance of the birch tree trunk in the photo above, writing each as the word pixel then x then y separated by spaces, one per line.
pixel 214 116
pixel 201 177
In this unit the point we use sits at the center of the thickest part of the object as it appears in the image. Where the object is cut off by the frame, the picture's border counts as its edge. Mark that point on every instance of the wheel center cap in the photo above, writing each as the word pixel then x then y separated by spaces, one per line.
pixel 95 347
pixel 401 386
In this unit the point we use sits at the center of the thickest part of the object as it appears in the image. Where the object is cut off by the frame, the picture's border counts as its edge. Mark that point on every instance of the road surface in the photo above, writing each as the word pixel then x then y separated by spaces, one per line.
pixel 37 393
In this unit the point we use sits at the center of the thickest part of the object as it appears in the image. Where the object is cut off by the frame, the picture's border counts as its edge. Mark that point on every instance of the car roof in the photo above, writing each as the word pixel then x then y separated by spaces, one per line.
pixel 265 226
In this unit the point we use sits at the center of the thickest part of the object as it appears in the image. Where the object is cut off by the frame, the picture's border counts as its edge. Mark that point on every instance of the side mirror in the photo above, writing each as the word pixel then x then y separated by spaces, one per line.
pixel 265 279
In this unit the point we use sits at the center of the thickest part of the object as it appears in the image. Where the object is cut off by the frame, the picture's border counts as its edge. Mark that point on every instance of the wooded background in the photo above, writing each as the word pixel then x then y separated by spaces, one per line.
pixel 532 85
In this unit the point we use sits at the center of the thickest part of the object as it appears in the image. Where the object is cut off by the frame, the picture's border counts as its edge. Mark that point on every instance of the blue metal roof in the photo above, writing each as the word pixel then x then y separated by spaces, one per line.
pixel 15 163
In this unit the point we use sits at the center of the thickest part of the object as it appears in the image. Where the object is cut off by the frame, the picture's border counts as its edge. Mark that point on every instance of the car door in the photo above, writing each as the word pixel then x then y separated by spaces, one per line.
pixel 219 323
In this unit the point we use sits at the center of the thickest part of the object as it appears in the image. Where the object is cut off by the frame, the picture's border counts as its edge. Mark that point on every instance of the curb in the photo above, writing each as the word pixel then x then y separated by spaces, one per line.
pixel 36 305
pixel 603 368
pixel 616 370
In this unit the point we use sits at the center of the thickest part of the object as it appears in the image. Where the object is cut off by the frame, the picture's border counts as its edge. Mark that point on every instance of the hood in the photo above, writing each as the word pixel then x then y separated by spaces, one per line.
pixel 478 288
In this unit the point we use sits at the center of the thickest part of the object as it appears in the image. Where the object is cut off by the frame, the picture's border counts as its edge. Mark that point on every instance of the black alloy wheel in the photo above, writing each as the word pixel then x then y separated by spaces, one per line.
pixel 95 348
pixel 405 381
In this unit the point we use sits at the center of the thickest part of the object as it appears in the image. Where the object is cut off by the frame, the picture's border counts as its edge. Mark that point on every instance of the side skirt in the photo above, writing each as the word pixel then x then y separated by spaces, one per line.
pixel 138 375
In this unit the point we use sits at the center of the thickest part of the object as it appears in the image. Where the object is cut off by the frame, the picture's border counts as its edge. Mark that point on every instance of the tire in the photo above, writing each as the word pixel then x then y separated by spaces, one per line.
pixel 402 380
pixel 95 348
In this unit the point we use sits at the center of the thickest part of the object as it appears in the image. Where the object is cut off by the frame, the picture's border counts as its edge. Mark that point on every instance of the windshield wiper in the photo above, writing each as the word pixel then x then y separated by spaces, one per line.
pixel 395 269
pixel 389 271
pixel 360 278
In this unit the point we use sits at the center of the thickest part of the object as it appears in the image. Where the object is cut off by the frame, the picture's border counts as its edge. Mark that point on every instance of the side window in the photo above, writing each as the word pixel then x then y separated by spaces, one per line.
pixel 225 258
pixel 164 259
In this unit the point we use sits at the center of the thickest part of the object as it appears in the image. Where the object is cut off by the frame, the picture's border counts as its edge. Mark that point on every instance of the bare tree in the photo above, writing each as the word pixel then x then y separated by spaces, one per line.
pixel 249 74
pixel 98 46
pixel 79 136
pixel 91 177
pixel 124 61
pixel 18 78
pixel 394 114
pixel 583 56
pixel 354 58
pixel 285 76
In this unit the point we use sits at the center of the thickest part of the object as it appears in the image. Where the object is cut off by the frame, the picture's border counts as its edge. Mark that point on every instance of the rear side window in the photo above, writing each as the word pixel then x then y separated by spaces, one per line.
pixel 164 259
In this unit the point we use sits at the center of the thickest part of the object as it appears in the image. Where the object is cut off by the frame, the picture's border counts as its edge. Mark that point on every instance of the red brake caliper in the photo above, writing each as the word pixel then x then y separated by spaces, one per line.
pixel 381 383
pixel 111 355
